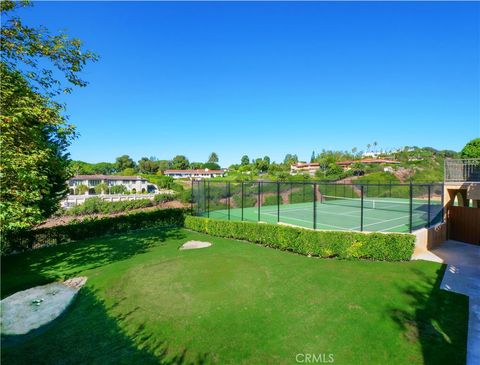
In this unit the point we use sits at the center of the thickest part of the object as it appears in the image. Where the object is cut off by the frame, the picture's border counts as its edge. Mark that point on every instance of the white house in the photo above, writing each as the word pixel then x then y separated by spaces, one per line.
pixel 194 174
pixel 133 184
pixel 304 168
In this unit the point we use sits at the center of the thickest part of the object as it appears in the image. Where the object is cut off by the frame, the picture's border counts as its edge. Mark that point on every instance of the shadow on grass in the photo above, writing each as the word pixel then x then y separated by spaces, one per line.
pixel 438 320
pixel 87 334
pixel 47 264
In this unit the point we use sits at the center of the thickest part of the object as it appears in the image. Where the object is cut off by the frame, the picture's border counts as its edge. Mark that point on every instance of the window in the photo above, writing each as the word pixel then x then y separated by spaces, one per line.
pixel 93 182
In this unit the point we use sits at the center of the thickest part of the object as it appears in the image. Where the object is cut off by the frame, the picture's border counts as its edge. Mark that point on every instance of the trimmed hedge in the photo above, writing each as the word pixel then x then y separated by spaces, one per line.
pixel 22 240
pixel 97 205
pixel 341 244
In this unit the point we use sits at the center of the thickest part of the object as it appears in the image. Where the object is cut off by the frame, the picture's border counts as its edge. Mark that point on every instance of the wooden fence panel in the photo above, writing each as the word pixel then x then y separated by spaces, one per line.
pixel 464 224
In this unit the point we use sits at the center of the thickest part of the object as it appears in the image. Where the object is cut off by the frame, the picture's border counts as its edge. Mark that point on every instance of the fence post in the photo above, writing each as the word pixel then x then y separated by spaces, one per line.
pixel 428 215
pixel 443 202
pixel 191 199
pixel 242 199
pixel 208 199
pixel 204 195
pixel 361 207
pixel 390 188
pixel 198 197
pixel 290 195
pixel 278 201
pixel 259 196
pixel 411 208
pixel 228 199
pixel 314 206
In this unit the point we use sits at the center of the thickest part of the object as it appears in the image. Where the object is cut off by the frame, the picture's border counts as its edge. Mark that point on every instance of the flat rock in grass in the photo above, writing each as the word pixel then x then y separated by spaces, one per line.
pixel 191 245
pixel 30 309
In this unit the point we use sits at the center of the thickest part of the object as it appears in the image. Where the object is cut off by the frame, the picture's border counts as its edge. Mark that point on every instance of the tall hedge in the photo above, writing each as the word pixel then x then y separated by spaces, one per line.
pixel 21 240
pixel 341 244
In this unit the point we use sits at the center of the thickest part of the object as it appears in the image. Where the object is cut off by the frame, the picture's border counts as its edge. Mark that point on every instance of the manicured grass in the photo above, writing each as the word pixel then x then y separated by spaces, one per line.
pixel 235 303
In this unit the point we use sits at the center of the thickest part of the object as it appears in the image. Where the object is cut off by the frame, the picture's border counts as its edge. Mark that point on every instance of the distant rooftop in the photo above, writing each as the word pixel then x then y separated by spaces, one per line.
pixel 106 177
pixel 194 171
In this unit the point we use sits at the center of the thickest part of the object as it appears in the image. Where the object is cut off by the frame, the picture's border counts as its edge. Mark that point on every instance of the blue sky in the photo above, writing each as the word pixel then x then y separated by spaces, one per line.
pixel 270 78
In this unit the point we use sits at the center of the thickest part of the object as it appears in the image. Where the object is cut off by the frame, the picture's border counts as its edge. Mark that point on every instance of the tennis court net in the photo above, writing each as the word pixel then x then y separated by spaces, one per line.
pixel 381 204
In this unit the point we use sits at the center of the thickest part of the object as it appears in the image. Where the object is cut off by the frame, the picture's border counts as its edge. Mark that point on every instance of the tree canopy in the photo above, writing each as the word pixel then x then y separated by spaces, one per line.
pixel 471 149
pixel 35 132
pixel 213 158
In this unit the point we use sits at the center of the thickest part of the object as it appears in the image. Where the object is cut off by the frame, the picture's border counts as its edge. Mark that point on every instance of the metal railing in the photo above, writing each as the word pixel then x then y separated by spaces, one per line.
pixel 462 170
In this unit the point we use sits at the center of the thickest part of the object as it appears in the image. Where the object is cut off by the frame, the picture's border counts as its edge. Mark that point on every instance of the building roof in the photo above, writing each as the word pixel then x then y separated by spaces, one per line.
pixel 195 171
pixel 107 177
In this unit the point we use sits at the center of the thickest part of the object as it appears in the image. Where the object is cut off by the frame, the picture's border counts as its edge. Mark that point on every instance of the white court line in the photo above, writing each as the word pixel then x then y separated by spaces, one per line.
pixel 347 214
pixel 389 220
pixel 383 230
pixel 311 222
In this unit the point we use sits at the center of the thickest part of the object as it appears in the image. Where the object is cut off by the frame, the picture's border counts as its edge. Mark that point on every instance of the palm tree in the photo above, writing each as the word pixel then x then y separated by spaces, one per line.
pixel 375 144
pixel 368 147
pixel 354 152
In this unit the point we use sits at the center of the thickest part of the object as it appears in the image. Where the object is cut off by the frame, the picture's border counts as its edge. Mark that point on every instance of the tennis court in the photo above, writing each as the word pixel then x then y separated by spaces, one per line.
pixel 340 214
pixel 255 202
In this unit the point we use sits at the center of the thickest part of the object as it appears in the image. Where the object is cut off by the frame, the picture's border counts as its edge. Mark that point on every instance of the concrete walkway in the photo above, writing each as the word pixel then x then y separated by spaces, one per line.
pixel 462 276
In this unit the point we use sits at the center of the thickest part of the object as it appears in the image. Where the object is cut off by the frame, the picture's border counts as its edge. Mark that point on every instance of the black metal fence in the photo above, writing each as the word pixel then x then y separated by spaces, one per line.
pixel 391 207
pixel 460 170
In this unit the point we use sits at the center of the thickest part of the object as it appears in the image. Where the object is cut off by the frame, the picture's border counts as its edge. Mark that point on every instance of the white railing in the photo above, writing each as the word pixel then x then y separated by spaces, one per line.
pixel 74 200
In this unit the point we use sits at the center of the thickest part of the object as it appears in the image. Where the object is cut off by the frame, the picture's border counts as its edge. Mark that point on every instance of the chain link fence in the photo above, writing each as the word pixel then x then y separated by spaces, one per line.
pixel 322 205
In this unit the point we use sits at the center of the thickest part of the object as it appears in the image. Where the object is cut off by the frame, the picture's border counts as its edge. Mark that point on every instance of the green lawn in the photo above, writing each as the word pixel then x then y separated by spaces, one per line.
pixel 235 303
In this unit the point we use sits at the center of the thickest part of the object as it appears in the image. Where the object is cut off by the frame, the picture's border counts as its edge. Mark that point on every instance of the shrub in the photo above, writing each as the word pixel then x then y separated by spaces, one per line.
pixel 341 244
pixel 21 240
pixel 163 198
pixel 97 205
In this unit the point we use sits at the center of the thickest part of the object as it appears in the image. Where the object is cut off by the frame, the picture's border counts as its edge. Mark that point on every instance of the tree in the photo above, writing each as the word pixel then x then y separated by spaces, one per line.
pixel 375 144
pixel 180 162
pixel 101 188
pixel 128 172
pixel 290 159
pixel 471 149
pixel 124 162
pixel 118 189
pixel 368 147
pixel 148 165
pixel 245 160
pixel 162 166
pixel 80 189
pixel 323 164
pixel 211 166
pixel 197 165
pixel 39 56
pixel 85 168
pixel 213 158
pixel 312 158
pixel 266 160
pixel 104 168
pixel 354 152
pixel 35 133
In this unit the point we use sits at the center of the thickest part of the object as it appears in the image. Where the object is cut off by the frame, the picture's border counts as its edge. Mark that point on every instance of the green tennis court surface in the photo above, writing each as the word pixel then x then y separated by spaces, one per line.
pixel 334 213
